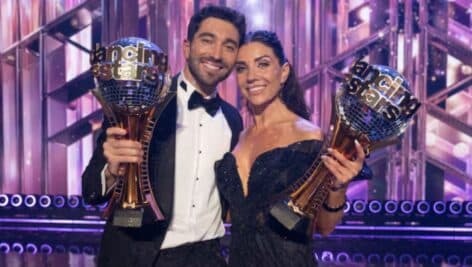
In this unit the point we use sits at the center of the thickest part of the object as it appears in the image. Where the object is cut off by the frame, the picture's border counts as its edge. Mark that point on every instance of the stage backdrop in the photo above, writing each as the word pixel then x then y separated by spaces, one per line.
pixel 49 119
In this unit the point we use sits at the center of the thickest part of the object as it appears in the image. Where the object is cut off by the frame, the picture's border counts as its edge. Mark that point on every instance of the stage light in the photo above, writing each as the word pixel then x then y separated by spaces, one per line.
pixel 405 259
pixel 467 261
pixel 375 206
pixel 4 247
pixel 391 206
pixel 45 249
pixel 59 249
pixel 439 207
pixel 259 20
pixel 468 207
pixel 103 205
pixel 347 207
pixel 73 201
pixel 18 248
pixel 31 248
pixel 84 204
pixel 364 13
pixel 342 257
pixel 74 249
pixel 374 259
pixel 389 258
pixel 88 250
pixel 358 258
pixel 59 201
pixel 455 207
pixel 437 259
pixel 16 200
pixel 358 206
pixel 421 259
pixel 461 150
pixel 406 206
pixel 327 256
pixel 3 200
pixel 30 201
pixel 453 260
pixel 44 201
pixel 422 207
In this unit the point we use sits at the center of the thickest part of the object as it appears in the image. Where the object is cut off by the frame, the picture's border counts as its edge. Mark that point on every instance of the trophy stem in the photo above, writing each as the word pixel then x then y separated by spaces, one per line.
pixel 309 197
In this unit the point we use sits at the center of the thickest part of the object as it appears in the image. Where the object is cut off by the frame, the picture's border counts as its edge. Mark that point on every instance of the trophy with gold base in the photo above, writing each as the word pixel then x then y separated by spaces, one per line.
pixel 374 106
pixel 133 88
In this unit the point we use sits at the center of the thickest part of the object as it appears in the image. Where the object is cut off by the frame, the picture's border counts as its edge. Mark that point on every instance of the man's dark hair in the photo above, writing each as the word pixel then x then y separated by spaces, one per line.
pixel 220 12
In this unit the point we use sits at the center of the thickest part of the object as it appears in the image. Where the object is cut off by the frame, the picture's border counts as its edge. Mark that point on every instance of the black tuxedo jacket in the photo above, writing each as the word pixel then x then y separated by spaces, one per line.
pixel 136 247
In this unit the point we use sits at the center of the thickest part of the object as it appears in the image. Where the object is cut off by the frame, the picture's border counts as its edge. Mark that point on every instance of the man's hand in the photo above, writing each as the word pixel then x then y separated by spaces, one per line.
pixel 118 150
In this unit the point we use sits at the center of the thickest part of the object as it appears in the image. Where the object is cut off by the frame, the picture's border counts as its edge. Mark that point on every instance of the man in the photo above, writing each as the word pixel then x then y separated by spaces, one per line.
pixel 189 138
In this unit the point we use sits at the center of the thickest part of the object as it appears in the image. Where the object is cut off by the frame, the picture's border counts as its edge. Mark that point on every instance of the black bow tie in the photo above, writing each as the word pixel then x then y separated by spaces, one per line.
pixel 211 105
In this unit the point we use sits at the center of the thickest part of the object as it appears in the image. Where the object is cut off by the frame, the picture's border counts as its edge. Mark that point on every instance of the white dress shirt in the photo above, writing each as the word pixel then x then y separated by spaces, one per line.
pixel 201 140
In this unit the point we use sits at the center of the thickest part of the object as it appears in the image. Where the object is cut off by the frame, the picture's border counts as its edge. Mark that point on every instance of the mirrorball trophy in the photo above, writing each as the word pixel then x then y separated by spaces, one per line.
pixel 374 106
pixel 133 88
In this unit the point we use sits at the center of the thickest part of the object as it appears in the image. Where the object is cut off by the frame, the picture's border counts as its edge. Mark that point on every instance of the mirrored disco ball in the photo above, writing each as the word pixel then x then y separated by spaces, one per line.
pixel 130 73
pixel 376 100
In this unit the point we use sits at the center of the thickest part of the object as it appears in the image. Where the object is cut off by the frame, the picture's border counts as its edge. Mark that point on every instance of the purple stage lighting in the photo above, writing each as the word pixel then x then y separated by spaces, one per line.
pixel 468 261
pixel 45 249
pixel 103 205
pixel 375 206
pixel 16 200
pixel 59 249
pixel 358 206
pixel 439 207
pixel 347 207
pixel 4 247
pixel 391 206
pixel 74 249
pixel 31 248
pixel 59 201
pixel 406 207
pixel 327 256
pixel 342 257
pixel 18 248
pixel 30 201
pixel 44 201
pixel 389 258
pixel 3 200
pixel 421 259
pixel 88 250
pixel 73 201
pixel 374 259
pixel 423 207
pixel 437 259
pixel 468 207
pixel 358 258
pixel 455 207
pixel 85 205
pixel 405 259
pixel 453 260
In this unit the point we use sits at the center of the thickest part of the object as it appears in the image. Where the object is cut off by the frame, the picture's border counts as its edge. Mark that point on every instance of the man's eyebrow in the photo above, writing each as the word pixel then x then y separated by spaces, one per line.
pixel 206 34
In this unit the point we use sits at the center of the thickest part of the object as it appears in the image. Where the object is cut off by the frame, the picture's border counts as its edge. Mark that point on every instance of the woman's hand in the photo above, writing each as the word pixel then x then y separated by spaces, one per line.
pixel 341 167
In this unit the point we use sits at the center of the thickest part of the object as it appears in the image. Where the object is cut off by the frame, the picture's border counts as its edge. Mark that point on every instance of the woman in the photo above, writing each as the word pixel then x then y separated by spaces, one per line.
pixel 271 154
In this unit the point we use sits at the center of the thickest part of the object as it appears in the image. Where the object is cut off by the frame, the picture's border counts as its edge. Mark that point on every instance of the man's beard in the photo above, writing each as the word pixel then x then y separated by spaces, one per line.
pixel 199 76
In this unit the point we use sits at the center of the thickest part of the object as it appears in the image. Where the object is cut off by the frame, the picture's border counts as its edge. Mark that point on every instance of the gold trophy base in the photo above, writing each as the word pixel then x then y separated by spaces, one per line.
pixel 128 217
pixel 285 213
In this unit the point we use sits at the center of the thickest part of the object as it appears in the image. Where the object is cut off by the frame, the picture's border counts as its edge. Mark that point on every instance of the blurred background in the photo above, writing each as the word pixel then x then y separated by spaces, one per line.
pixel 421 194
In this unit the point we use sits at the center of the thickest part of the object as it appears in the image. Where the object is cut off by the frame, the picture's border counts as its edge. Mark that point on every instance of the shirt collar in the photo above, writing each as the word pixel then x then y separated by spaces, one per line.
pixel 189 88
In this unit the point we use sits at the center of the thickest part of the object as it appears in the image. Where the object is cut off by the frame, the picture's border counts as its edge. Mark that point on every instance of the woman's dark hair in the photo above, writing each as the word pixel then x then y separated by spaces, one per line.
pixel 292 94
pixel 220 12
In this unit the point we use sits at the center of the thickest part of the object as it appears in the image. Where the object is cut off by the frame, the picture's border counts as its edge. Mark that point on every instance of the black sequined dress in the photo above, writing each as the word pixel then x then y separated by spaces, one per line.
pixel 256 239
